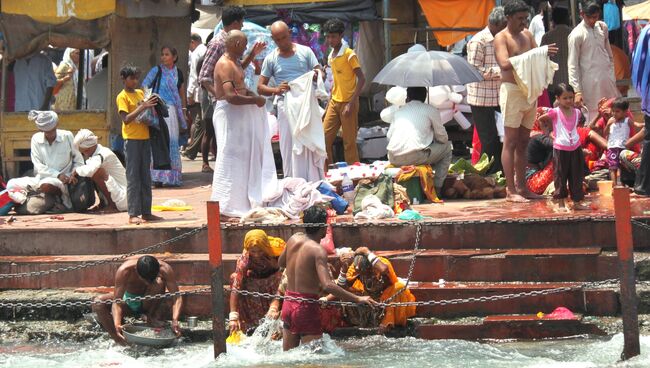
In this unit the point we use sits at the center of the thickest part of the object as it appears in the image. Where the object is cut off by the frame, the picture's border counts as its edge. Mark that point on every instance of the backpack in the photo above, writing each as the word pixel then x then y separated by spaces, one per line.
pixel 82 194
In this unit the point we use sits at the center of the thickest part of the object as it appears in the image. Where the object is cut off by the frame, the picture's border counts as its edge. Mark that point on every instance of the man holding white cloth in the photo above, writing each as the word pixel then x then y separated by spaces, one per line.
pixel 288 63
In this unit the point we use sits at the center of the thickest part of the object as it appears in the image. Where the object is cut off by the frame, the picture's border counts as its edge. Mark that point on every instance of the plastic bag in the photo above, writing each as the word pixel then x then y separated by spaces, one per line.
pixel 235 338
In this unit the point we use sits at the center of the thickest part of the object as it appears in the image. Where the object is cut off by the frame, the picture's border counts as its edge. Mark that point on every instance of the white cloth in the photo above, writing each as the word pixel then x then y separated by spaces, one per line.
pixel 44 120
pixel 533 72
pixel 49 161
pixel 294 195
pixel 591 65
pixel 372 209
pixel 619 133
pixel 84 139
pixel 261 215
pixel 105 159
pixel 414 127
pixel 193 87
pixel 303 117
pixel 537 28
pixel 245 169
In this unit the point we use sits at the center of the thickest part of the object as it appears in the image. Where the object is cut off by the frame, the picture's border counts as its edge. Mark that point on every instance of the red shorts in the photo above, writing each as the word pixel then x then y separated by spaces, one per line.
pixel 301 318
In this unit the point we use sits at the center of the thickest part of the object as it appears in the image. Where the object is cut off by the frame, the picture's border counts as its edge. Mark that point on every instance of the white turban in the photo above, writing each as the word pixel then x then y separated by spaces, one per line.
pixel 45 120
pixel 85 139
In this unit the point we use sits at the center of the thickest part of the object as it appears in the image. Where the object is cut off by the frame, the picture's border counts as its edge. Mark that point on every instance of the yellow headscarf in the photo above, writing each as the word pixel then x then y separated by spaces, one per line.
pixel 272 246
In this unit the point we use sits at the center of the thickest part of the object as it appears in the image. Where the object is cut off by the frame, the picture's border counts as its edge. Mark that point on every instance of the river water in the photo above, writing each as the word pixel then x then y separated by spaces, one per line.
pixel 358 352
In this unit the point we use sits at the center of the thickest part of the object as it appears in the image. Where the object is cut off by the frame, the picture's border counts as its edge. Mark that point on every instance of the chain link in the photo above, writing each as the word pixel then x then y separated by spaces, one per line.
pixel 416 251
pixel 104 261
pixel 641 224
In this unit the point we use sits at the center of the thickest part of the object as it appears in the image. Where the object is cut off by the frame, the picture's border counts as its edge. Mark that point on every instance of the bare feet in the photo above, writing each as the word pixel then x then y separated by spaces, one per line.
pixel 515 198
pixel 109 209
pixel 206 169
pixel 150 218
pixel 530 195
pixel 135 220
pixel 579 206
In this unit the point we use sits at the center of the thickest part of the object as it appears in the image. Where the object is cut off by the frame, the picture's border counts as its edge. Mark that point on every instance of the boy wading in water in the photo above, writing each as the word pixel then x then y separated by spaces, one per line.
pixel 137 148
pixel 308 277
pixel 518 114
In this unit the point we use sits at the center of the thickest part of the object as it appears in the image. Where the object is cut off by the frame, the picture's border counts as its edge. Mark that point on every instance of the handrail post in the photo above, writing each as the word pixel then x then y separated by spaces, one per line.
pixel 624 245
pixel 216 278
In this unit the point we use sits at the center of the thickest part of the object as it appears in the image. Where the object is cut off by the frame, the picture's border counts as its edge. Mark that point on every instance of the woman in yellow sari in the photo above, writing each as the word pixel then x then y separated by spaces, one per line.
pixel 364 273
pixel 257 270
pixel 66 75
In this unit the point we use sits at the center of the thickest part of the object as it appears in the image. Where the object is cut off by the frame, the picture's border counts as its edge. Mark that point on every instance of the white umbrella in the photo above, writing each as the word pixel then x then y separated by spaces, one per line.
pixel 427 69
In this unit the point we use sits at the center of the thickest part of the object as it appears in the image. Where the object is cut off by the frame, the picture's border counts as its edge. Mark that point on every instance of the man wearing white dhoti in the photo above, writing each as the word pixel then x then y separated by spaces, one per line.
pixel 244 168
pixel 591 63
pixel 54 160
pixel 286 64
pixel 104 168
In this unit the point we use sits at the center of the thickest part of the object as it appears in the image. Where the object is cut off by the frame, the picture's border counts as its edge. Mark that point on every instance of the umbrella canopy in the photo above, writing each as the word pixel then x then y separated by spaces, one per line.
pixel 427 69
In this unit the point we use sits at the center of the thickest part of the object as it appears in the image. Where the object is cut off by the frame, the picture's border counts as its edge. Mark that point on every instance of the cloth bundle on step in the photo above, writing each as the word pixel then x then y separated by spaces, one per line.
pixel 372 209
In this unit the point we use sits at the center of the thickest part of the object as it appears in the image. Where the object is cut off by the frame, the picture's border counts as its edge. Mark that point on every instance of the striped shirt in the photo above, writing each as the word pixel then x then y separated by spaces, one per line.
pixel 480 53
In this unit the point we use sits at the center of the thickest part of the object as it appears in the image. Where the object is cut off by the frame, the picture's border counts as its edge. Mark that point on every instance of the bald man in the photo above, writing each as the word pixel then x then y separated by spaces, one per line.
pixel 244 166
pixel 288 62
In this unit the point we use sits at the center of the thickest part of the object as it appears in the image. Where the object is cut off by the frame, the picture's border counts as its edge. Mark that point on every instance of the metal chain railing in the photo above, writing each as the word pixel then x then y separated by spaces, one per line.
pixel 641 224
pixel 104 261
pixel 416 251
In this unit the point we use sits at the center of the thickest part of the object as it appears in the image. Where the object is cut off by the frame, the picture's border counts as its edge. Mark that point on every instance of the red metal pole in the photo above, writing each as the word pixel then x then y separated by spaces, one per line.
pixel 216 278
pixel 624 244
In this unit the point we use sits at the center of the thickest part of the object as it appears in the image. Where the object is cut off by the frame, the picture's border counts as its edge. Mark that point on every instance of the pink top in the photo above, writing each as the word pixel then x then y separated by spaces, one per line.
pixel 565 130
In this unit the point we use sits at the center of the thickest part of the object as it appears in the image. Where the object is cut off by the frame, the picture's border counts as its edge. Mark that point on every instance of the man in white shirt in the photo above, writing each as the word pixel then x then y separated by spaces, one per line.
pixel 536 26
pixel 104 168
pixel 54 160
pixel 417 136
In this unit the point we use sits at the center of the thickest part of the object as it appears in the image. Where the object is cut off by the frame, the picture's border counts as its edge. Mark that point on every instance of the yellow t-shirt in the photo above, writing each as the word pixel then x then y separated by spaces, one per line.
pixel 345 81
pixel 128 102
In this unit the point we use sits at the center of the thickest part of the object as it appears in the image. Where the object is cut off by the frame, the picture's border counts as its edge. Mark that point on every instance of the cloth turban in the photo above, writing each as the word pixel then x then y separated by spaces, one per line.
pixel 44 120
pixel 85 139
pixel 272 246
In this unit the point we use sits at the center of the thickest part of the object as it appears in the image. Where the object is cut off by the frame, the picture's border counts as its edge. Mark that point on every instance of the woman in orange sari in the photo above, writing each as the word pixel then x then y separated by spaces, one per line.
pixel 364 273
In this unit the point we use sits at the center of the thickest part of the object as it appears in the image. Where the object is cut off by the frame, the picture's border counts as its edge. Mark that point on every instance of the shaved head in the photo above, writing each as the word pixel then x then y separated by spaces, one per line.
pixel 236 43
pixel 279 27
pixel 234 36
pixel 281 35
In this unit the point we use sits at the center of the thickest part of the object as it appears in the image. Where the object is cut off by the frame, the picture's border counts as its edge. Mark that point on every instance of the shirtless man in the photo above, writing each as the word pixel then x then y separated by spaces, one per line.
pixel 241 128
pixel 308 276
pixel 518 115
pixel 135 278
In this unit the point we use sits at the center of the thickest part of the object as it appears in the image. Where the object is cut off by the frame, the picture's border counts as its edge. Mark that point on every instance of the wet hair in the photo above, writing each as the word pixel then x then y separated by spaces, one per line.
pixel 621 103
pixel 361 262
pixel 334 25
pixel 129 71
pixel 314 215
pixel 232 14
pixel 563 87
pixel 591 8
pixel 196 37
pixel 416 93
pixel 560 16
pixel 148 268
pixel 497 16
pixel 513 7
pixel 172 50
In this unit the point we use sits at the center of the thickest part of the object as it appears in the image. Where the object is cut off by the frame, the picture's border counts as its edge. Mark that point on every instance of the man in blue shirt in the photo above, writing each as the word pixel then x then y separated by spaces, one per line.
pixel 35 82
pixel 285 64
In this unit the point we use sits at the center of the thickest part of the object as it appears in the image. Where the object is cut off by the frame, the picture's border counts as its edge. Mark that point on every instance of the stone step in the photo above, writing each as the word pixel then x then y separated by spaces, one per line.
pixel 501 234
pixel 527 327
pixel 493 265
pixel 599 302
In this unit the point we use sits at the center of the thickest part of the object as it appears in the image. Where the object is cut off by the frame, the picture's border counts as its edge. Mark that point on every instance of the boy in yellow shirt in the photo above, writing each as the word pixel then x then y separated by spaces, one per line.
pixel 343 108
pixel 137 148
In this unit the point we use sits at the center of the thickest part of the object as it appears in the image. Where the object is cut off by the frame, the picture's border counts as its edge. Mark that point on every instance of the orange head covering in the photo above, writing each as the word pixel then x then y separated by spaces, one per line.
pixel 270 245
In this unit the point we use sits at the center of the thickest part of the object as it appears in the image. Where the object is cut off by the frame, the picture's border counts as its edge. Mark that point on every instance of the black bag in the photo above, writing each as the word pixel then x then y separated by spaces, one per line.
pixel 82 194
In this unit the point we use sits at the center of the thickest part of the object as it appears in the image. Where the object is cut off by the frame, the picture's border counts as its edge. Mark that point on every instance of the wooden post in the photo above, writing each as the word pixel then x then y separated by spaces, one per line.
pixel 387 41
pixel 624 245
pixel 216 278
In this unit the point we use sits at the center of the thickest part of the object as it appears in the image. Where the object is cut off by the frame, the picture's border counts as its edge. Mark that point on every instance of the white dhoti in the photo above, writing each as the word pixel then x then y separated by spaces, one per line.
pixel 30 183
pixel 118 193
pixel 245 169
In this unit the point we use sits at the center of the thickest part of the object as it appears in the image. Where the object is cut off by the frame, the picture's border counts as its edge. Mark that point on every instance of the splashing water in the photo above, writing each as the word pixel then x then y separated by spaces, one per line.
pixel 260 351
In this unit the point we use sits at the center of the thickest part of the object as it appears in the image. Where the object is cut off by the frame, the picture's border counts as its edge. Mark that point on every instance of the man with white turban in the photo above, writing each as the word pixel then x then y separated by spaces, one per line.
pixel 54 160
pixel 104 168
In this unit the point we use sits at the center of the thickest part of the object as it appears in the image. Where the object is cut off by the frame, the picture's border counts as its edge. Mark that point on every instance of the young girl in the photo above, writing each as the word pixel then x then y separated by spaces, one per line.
pixel 618 130
pixel 568 159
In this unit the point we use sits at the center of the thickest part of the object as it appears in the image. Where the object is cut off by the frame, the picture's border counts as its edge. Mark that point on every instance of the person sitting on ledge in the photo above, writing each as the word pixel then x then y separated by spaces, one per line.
pixel 417 136
pixel 364 273
pixel 137 278
pixel 104 169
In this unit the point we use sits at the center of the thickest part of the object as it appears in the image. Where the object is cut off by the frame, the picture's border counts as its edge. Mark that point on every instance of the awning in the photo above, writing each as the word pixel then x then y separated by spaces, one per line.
pixel 462 17
pixel 265 12
pixel 638 11
pixel 59 11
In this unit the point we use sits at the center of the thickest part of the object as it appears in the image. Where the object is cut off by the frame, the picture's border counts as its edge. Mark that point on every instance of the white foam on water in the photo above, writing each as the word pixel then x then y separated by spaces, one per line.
pixel 370 351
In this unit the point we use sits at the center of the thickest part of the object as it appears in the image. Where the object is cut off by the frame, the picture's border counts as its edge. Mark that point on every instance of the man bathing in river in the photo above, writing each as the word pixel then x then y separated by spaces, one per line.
pixel 308 276
pixel 136 278
pixel 518 113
